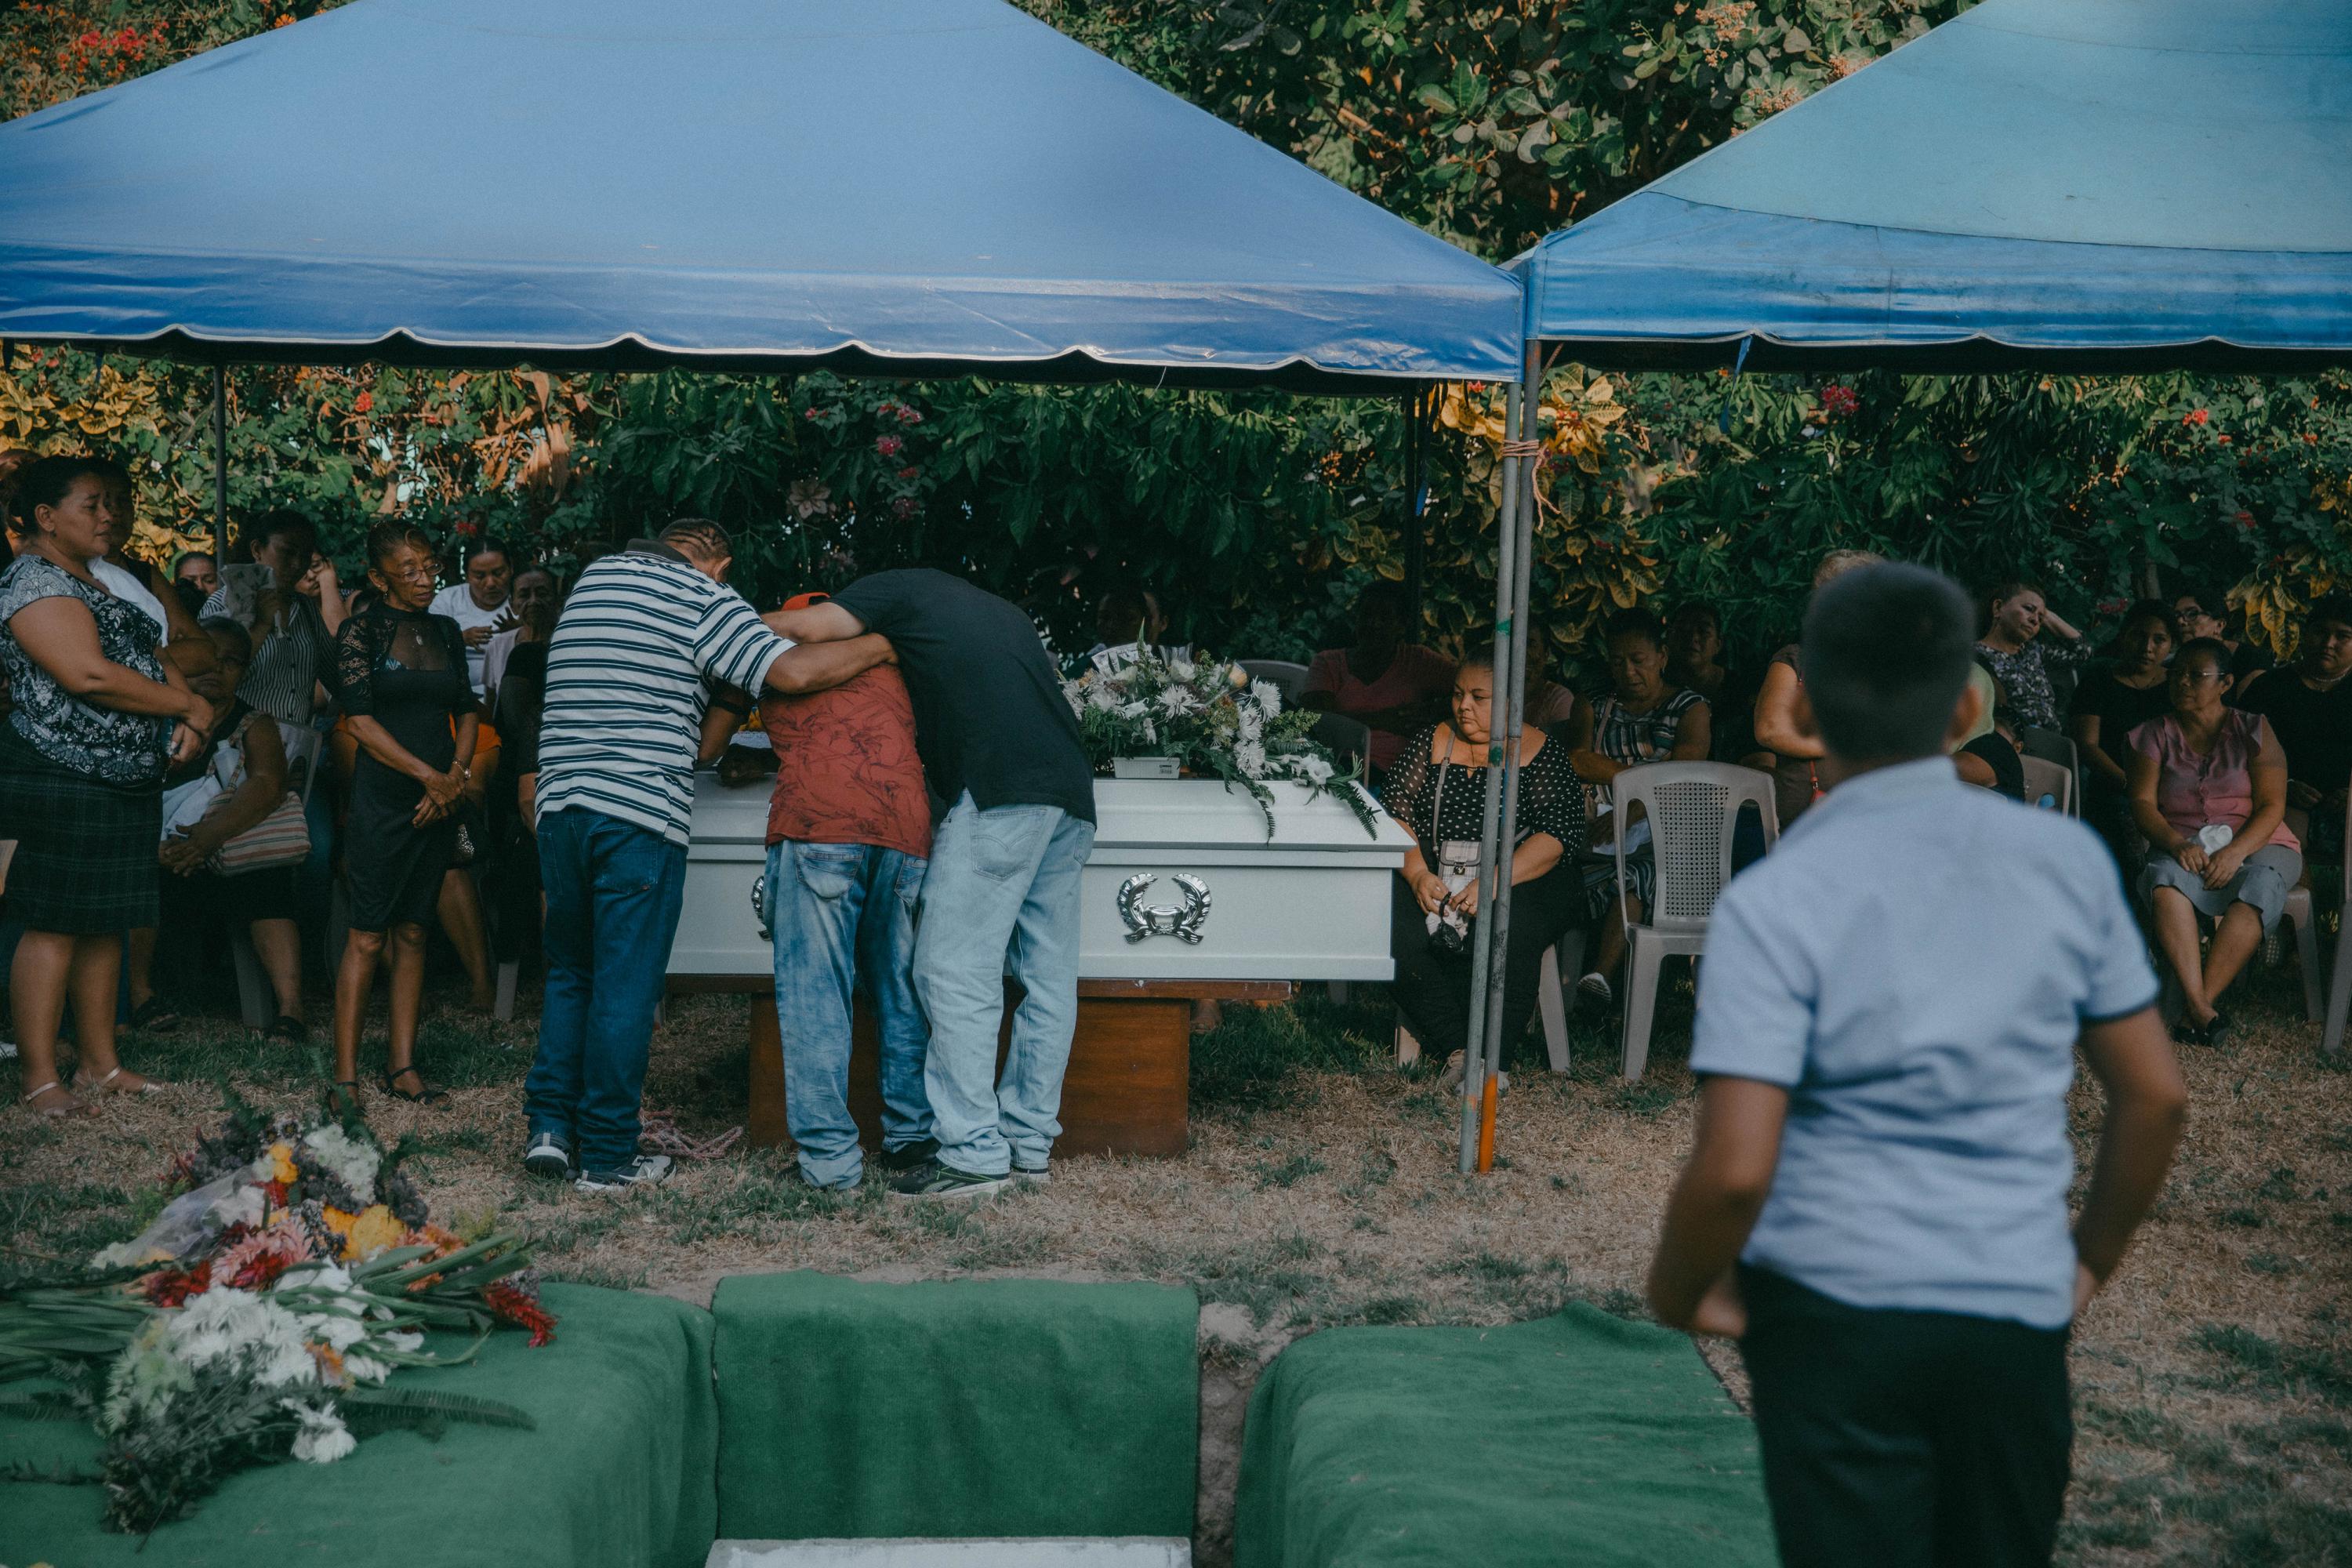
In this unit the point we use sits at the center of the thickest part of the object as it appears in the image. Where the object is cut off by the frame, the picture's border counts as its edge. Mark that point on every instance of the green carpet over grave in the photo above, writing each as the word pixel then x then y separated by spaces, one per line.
pixel 963 1407
pixel 1578 1439
pixel 618 1473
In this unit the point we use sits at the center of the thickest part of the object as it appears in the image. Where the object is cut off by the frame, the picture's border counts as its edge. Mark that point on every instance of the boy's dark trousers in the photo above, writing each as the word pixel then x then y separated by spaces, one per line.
pixel 1905 1439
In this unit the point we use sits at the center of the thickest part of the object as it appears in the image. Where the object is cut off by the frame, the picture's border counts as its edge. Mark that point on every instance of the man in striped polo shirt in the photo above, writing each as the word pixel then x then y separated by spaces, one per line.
pixel 644 637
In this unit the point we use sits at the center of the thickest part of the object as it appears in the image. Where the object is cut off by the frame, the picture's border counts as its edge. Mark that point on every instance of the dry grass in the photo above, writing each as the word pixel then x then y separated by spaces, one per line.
pixel 2213 1382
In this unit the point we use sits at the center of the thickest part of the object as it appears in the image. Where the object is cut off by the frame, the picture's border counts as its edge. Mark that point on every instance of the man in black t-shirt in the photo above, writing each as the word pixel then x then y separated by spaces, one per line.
pixel 1000 751
pixel 2309 706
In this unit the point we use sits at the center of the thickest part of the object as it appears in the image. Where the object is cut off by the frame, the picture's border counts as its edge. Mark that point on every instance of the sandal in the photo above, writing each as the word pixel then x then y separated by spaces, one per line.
pixel 154 1016
pixel 72 1107
pixel 426 1093
pixel 85 1084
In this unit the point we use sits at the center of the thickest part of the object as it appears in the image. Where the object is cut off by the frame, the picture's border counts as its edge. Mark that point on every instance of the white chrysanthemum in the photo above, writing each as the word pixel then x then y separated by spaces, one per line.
pixel 1267 696
pixel 1175 700
pixel 323 1438
pixel 1250 757
pixel 145 1378
pixel 228 1324
pixel 353 1162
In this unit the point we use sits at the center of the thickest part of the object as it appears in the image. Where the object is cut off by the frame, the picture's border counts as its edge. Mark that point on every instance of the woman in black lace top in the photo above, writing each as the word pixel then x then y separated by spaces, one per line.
pixel 1438 791
pixel 402 679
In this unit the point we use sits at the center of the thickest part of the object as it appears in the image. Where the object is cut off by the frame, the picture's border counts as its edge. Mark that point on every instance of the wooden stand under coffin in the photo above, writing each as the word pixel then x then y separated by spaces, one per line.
pixel 1312 904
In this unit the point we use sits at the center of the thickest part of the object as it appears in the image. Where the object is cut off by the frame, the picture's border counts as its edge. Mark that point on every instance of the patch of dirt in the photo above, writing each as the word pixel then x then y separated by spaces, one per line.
pixel 2227 1338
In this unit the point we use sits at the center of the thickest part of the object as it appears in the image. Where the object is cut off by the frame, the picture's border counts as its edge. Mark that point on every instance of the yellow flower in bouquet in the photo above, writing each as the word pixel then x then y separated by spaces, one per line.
pixel 281 1163
pixel 366 1233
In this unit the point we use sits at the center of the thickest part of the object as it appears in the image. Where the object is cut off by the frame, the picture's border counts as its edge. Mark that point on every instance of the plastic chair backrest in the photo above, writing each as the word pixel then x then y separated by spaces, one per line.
pixel 2347 852
pixel 1344 736
pixel 1693 810
pixel 1288 678
pixel 2049 745
pixel 2048 784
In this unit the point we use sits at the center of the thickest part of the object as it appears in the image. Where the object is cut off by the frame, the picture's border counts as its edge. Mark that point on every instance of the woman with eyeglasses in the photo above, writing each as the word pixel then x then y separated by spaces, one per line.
pixel 402 681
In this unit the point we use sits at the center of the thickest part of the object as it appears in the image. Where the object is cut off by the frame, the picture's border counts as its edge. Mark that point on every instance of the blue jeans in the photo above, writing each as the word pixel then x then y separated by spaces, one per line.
pixel 613 892
pixel 842 913
pixel 1002 897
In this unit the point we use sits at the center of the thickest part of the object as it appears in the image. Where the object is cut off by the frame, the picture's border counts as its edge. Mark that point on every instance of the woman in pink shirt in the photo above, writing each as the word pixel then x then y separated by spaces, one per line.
pixel 2209 788
pixel 1392 686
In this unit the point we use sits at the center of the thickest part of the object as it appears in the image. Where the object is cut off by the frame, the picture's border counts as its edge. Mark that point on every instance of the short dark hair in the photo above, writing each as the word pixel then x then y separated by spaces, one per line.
pixel 229 626
pixel 45 481
pixel 1885 656
pixel 2149 610
pixel 482 544
pixel 1635 624
pixel 2010 588
pixel 2328 609
pixel 698 536
pixel 277 522
pixel 2213 649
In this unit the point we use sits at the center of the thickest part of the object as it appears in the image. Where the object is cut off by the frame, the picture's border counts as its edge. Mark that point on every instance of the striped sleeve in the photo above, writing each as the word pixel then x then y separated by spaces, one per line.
pixel 731 644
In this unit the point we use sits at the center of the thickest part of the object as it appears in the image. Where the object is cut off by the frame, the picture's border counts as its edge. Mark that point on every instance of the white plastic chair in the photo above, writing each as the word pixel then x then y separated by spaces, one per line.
pixel 2048 785
pixel 1693 809
pixel 1288 678
pixel 2339 979
pixel 2053 747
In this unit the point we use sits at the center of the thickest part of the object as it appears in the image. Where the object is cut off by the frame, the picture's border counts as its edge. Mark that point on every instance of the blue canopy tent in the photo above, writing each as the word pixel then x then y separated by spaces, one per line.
pixel 898 187
pixel 2096 185
pixel 2086 184
pixel 895 187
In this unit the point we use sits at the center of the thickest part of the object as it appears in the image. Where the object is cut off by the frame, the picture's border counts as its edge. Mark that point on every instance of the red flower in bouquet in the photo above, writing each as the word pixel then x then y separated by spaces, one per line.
pixel 2196 416
pixel 1840 401
pixel 363 402
pixel 890 446
pixel 511 1304
pixel 173 1287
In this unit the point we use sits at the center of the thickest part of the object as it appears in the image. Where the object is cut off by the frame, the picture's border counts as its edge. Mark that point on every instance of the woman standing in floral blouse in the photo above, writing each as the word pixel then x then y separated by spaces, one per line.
pixel 2020 662
pixel 96 717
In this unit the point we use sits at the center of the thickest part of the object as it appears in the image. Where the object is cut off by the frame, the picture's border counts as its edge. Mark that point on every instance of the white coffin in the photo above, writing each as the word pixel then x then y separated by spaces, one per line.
pixel 1312 904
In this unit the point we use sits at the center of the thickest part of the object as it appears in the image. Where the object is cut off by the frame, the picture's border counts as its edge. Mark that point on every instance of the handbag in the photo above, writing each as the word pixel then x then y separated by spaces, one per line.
pixel 281 838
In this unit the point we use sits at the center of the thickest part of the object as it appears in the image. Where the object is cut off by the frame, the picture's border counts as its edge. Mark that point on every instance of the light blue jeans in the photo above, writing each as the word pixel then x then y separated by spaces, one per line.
pixel 1002 897
pixel 844 914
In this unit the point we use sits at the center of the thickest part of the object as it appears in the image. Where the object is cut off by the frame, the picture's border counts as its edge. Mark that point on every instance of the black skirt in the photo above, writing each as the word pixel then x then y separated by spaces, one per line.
pixel 86 850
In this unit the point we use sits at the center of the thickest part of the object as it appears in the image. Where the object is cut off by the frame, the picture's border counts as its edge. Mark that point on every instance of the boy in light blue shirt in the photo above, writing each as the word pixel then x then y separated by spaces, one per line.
pixel 1876 1204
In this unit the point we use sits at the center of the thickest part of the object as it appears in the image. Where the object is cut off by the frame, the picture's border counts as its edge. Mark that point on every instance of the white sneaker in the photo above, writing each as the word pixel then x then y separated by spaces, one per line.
pixel 645 1170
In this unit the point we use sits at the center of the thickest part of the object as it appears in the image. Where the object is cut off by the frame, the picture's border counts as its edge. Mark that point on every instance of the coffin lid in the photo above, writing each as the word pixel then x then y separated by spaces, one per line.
pixel 1130 813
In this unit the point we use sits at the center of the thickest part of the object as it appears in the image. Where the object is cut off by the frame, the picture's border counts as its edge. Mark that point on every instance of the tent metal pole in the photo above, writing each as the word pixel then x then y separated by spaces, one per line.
pixel 1416 502
pixel 220 465
pixel 1510 702
pixel 1485 957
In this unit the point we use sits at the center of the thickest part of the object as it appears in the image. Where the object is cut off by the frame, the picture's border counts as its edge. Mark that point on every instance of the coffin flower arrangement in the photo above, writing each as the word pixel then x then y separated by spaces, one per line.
pixel 259 1317
pixel 1216 721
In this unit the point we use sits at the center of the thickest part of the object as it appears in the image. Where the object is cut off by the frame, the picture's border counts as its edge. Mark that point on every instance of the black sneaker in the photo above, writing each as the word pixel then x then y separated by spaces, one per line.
pixel 548 1156
pixel 1034 1175
pixel 645 1170
pixel 934 1180
pixel 908 1156
pixel 2218 1032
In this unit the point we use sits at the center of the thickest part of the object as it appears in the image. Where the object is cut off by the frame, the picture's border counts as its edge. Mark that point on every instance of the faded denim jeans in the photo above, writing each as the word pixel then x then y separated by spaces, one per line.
pixel 844 916
pixel 613 893
pixel 1002 897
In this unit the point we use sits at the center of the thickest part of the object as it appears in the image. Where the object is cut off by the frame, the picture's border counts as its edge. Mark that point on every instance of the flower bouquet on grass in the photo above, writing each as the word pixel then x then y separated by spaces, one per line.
pixel 261 1314
pixel 1214 720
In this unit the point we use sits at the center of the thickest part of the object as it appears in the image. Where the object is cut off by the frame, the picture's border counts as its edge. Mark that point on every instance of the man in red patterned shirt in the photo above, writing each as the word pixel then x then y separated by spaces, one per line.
pixel 849 836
